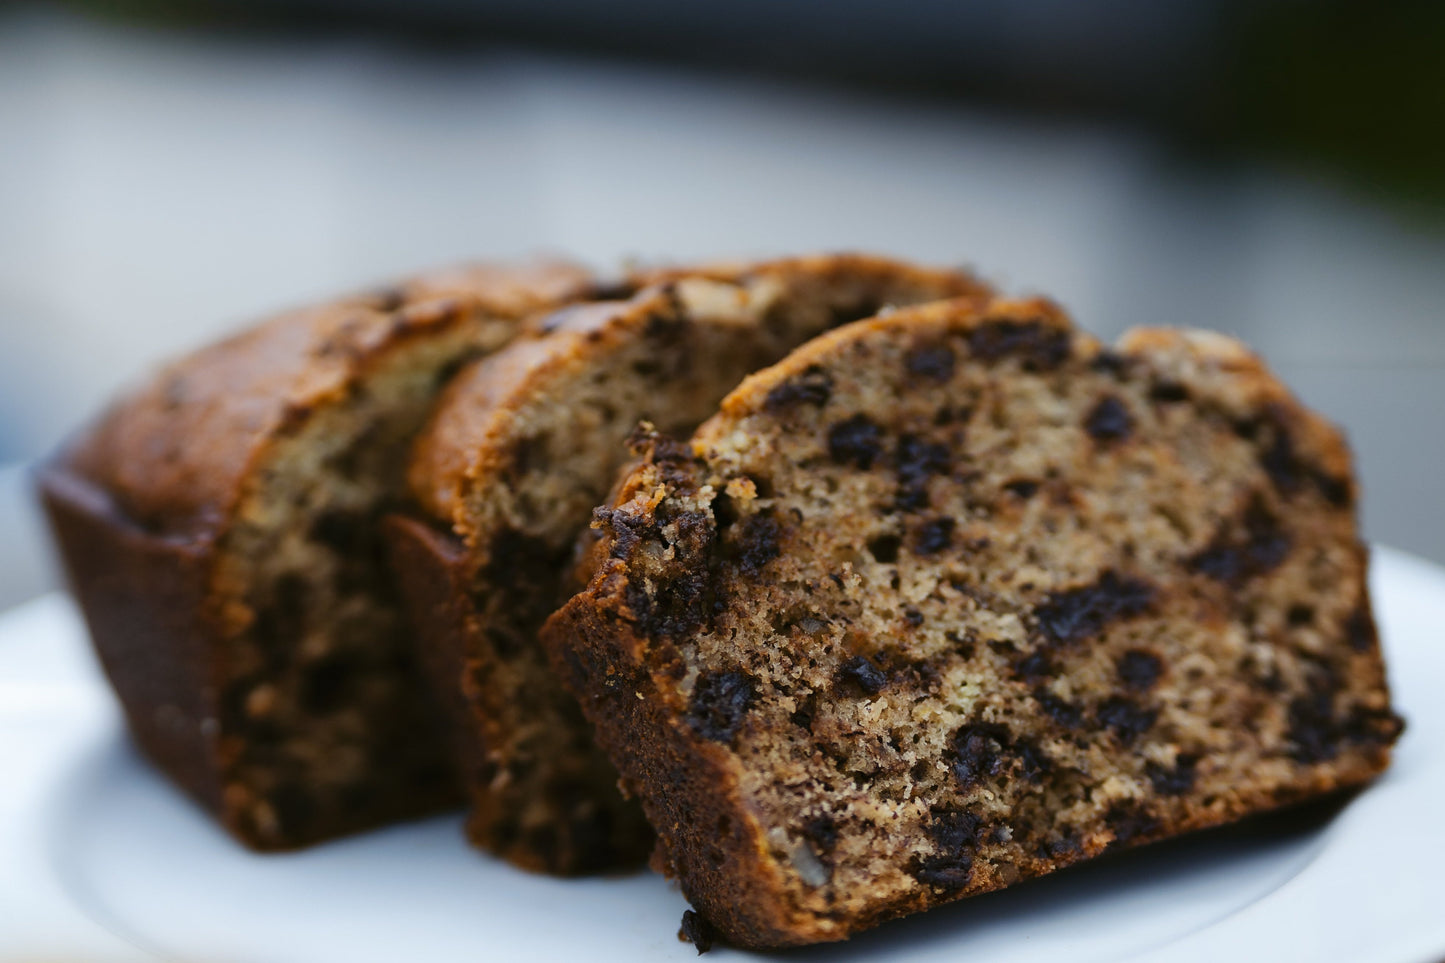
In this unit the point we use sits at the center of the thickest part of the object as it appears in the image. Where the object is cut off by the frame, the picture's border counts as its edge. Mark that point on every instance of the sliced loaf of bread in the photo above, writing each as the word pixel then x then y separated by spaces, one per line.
pixel 220 530
pixel 518 453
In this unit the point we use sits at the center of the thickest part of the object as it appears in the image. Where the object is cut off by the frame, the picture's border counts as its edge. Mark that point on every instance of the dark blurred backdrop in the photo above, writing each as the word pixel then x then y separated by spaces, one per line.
pixel 1275 169
pixel 1350 87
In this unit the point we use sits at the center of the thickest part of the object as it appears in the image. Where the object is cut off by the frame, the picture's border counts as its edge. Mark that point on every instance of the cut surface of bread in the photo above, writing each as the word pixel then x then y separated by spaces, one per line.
pixel 522 448
pixel 955 597
pixel 220 528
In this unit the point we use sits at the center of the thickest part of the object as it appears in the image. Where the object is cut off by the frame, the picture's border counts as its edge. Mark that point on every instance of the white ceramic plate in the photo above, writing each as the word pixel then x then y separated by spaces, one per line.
pixel 99 857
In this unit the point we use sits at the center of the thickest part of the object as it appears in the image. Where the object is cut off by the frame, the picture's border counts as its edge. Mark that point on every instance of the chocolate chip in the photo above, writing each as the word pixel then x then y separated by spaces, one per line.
pixel 1077 614
pixel 691 592
pixel 697 931
pixel 1110 362
pixel 822 832
pixel 933 536
pixel 934 362
pixel 1038 345
pixel 1168 392
pixel 1360 629
pixel 856 441
pixel 953 829
pixel 1125 719
pixel 720 701
pixel 983 749
pixel 1067 844
pixel 1377 726
pixel 1129 822
pixel 1339 492
pixel 1022 488
pixel 1287 470
pixel 964 646
pixel 916 462
pixel 1139 670
pixel 1279 460
pixel 1176 781
pixel 1300 615
pixel 913 617
pixel 1062 711
pixel 1258 545
pixel 1109 421
pixel 813 387
pixel 862 673
pixel 947 872
pixel 1312 729
pixel 628 530
pixel 1034 763
pixel 978 752
pixel 754 543
pixel 1035 665
pixel 955 835
pixel 884 548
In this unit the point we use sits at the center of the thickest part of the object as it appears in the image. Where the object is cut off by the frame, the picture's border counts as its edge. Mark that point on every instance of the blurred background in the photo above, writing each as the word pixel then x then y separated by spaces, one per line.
pixel 1274 169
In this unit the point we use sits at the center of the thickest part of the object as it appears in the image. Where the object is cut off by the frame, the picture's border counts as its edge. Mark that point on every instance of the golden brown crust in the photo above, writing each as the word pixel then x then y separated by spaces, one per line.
pixel 751 691
pixel 173 453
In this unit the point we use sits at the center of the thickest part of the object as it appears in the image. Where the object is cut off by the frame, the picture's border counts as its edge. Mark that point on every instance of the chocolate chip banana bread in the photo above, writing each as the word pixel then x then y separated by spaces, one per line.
pixel 953 597
pixel 521 449
pixel 220 531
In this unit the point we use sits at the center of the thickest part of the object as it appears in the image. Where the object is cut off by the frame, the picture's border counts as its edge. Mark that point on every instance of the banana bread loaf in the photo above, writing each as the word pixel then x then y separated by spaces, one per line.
pixel 952 598
pixel 520 450
pixel 220 530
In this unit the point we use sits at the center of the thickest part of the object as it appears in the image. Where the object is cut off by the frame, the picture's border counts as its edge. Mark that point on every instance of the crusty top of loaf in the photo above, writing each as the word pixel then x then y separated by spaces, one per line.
pixel 446 453
pixel 1221 370
pixel 173 452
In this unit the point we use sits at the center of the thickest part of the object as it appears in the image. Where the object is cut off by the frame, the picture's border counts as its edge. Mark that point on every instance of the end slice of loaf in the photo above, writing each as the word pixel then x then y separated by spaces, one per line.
pixel 953 597
pixel 220 530
pixel 521 449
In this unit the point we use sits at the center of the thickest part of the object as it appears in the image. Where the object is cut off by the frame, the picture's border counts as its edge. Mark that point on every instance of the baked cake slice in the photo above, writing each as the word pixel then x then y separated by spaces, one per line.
pixel 955 597
pixel 220 531
pixel 520 450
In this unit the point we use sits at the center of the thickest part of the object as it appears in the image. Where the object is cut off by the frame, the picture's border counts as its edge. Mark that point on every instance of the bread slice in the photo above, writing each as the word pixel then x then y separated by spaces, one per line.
pixel 522 448
pixel 952 598
pixel 219 527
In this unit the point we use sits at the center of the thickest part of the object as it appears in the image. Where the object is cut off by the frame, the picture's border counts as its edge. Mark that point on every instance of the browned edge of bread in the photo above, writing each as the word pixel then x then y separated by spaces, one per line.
pixel 146 601
pixel 432 572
